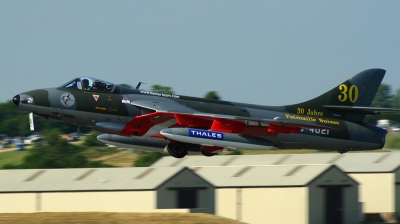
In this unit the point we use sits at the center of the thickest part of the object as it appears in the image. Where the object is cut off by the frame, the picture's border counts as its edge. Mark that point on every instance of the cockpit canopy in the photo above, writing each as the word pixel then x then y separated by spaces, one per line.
pixel 90 84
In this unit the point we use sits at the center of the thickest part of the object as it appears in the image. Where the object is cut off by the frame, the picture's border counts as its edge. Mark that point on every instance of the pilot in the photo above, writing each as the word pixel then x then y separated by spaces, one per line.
pixel 98 86
pixel 85 84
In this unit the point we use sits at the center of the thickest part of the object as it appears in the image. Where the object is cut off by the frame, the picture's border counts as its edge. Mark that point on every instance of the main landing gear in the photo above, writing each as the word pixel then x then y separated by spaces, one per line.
pixel 180 149
pixel 177 150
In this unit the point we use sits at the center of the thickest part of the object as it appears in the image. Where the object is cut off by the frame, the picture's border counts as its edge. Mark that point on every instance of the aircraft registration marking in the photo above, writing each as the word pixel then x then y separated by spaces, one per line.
pixel 316 131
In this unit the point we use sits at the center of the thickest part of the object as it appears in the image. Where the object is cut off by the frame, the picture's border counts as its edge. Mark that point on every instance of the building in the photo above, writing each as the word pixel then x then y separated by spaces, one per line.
pixel 104 190
pixel 377 173
pixel 252 194
pixel 284 194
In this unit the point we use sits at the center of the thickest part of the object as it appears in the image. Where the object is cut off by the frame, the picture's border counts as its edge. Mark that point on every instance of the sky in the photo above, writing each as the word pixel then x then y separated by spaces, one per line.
pixel 258 52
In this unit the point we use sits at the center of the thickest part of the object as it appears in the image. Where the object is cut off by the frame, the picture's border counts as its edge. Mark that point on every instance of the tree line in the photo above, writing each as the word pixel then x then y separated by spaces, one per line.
pixel 385 98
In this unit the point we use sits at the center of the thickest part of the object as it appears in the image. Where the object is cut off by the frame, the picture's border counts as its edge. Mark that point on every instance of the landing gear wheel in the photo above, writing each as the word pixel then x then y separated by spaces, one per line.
pixel 209 154
pixel 342 151
pixel 177 150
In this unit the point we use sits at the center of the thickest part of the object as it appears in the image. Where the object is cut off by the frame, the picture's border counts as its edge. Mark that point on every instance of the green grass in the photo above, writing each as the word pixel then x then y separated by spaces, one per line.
pixel 12 157
pixel 392 140
pixel 96 152
pixel 108 155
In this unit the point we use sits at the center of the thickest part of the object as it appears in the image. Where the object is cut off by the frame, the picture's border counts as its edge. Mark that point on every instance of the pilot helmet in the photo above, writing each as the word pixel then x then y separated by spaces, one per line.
pixel 85 81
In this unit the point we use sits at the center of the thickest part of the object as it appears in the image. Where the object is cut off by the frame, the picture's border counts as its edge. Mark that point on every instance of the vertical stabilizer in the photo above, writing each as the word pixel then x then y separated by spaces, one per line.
pixel 358 90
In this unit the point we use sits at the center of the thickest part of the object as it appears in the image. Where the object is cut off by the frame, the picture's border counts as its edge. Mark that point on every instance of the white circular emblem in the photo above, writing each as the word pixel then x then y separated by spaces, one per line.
pixel 67 99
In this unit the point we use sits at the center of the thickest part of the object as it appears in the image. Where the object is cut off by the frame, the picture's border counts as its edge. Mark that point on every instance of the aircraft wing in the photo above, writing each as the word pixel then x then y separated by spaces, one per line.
pixel 162 106
pixel 161 113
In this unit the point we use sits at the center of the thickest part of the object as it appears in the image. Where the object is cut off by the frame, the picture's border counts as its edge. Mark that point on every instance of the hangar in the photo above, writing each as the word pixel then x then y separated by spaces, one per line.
pixel 378 173
pixel 284 194
pixel 103 190
pixel 253 194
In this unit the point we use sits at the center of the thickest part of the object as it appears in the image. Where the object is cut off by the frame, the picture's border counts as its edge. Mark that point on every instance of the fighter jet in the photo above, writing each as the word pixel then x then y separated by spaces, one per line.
pixel 133 118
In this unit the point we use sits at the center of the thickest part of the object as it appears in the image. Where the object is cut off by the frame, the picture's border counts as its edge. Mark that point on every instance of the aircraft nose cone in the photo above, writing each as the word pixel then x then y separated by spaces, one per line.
pixel 16 99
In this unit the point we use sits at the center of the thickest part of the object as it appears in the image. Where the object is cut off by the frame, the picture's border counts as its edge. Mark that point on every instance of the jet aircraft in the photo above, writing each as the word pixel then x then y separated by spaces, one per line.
pixel 133 118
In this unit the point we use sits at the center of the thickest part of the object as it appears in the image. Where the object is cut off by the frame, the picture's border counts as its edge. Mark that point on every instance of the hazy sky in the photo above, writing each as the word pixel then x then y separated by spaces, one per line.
pixel 261 52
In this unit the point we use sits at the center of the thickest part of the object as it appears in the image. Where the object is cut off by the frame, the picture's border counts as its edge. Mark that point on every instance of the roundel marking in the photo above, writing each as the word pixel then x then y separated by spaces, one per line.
pixel 67 99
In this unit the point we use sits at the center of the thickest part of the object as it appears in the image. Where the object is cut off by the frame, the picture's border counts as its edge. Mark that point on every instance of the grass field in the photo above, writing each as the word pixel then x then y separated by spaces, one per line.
pixel 102 217
pixel 122 158
pixel 12 157
pixel 108 155
pixel 392 140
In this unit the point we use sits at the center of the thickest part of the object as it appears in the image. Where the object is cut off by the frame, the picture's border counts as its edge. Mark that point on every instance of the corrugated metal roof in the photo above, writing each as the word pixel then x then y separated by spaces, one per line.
pixel 168 161
pixel 149 178
pixel 349 162
pixel 261 176
pixel 369 162
pixel 91 179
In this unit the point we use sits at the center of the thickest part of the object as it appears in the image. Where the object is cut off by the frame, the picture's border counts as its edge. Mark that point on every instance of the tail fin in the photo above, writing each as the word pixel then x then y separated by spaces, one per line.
pixel 345 100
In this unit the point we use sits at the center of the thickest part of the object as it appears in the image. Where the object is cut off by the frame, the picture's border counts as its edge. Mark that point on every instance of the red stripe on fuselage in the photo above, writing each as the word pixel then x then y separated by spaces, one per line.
pixel 140 125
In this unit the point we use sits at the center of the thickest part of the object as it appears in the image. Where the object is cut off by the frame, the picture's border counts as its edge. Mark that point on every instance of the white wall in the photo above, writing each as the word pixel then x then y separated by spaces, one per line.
pixel 98 201
pixel 376 191
pixel 263 205
pixel 397 190
pixel 17 203
pixel 226 203
pixel 275 205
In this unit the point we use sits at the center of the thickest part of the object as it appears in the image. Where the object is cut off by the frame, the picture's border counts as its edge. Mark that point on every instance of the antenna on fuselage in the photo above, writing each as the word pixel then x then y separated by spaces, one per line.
pixel 138 85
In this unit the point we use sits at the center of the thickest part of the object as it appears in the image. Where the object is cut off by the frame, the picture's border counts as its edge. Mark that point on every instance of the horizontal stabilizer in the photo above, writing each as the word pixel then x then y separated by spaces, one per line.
pixel 367 110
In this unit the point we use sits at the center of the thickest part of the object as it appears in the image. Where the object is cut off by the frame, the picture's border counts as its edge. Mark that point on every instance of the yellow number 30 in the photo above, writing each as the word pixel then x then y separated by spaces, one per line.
pixel 348 93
